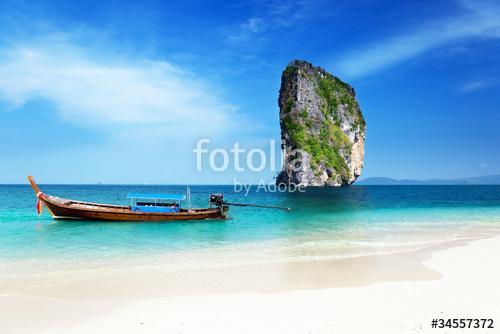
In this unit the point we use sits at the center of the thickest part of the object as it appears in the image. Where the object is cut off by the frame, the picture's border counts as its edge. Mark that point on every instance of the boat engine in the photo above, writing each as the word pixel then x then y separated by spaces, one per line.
pixel 217 199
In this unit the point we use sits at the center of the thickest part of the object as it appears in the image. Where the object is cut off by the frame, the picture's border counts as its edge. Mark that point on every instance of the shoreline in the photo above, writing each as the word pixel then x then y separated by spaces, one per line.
pixel 335 245
pixel 275 275
pixel 463 285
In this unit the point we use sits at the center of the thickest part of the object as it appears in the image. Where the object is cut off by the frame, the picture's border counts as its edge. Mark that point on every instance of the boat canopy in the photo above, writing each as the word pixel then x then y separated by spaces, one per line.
pixel 172 197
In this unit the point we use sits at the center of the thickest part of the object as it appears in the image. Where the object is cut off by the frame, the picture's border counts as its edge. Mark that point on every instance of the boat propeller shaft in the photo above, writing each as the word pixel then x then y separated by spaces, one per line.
pixel 218 199
pixel 259 206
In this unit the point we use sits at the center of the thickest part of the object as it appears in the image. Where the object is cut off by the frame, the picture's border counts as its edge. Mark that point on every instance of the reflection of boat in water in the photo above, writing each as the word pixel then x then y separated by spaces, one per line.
pixel 144 207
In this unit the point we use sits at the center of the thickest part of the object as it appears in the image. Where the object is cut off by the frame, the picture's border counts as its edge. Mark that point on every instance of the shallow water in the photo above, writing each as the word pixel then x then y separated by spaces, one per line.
pixel 348 221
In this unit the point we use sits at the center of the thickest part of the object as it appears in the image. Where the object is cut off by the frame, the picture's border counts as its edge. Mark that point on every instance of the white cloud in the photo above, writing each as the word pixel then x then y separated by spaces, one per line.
pixel 251 27
pixel 480 19
pixel 476 85
pixel 101 92
pixel 254 25
pixel 273 15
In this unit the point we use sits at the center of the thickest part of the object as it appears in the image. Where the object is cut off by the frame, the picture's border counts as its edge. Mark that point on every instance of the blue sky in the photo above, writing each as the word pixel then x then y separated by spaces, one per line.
pixel 105 91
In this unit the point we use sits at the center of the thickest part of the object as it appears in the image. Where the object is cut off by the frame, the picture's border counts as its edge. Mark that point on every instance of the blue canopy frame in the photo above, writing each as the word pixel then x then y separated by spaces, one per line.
pixel 173 197
pixel 151 202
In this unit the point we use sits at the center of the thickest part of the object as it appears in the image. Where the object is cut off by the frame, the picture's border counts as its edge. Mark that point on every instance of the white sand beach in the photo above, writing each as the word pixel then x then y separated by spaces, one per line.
pixel 399 293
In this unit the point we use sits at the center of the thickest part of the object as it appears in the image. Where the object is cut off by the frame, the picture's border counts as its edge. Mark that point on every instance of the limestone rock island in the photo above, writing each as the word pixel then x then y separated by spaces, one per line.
pixel 320 116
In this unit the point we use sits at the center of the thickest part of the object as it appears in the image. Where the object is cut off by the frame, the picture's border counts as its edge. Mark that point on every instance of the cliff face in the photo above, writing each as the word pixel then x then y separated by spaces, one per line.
pixel 320 116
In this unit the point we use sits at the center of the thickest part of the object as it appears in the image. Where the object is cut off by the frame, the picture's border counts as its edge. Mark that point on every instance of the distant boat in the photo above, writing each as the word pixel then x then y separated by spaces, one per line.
pixel 144 207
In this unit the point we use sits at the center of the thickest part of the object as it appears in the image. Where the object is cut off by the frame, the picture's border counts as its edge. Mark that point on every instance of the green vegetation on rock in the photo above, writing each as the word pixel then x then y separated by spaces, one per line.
pixel 289 105
pixel 296 131
pixel 333 93
pixel 288 72
pixel 324 149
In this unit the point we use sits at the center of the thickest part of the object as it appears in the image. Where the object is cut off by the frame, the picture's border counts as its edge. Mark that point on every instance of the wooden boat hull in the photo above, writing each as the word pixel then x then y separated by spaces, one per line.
pixel 61 208
pixel 62 211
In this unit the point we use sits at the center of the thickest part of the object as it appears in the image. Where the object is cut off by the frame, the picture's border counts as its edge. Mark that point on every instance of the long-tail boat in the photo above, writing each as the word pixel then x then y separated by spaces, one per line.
pixel 144 207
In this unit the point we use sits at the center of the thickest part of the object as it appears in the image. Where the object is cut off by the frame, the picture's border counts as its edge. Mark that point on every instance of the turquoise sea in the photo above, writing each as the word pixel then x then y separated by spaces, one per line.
pixel 323 222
